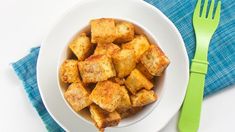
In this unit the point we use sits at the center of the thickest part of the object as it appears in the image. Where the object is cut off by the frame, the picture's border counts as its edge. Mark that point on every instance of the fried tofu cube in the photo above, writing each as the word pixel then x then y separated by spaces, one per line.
pixel 125 32
pixel 155 60
pixel 143 98
pixel 120 81
pixel 129 112
pixel 124 62
pixel 108 49
pixel 136 81
pixel 106 95
pixel 139 44
pixel 125 100
pixel 144 71
pixel 96 68
pixel 69 71
pixel 103 118
pixel 77 96
pixel 103 30
pixel 80 46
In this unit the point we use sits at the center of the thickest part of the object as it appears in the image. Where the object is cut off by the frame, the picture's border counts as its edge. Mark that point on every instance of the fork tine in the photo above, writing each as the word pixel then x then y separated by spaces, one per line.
pixel 204 9
pixel 197 8
pixel 211 9
pixel 217 12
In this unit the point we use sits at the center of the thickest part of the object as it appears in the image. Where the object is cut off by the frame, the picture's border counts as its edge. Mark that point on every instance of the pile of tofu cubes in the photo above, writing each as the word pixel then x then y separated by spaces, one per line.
pixel 112 74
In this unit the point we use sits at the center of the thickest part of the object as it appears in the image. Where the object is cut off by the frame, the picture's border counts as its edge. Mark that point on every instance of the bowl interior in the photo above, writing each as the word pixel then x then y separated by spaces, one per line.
pixel 158 81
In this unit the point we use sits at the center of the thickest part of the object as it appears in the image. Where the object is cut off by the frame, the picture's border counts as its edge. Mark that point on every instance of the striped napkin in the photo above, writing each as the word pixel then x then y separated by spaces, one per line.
pixel 221 72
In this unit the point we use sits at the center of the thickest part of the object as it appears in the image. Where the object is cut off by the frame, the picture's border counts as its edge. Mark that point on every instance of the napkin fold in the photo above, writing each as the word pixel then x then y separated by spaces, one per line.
pixel 221 71
pixel 221 56
pixel 25 69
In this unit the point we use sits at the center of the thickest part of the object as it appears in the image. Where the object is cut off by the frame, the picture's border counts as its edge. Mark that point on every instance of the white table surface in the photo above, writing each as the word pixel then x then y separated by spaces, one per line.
pixel 23 24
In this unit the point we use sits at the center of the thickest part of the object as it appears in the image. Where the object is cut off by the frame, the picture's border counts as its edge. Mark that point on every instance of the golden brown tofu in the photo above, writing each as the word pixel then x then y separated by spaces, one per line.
pixel 103 118
pixel 129 112
pixel 120 81
pixel 107 95
pixel 96 68
pixel 136 81
pixel 155 60
pixel 103 30
pixel 80 46
pixel 143 98
pixel 144 71
pixel 125 32
pixel 139 44
pixel 124 62
pixel 69 71
pixel 108 49
pixel 77 96
pixel 101 129
pixel 125 100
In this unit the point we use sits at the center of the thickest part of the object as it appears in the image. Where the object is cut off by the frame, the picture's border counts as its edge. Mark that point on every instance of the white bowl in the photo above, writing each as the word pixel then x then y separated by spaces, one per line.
pixel 154 22
pixel 159 82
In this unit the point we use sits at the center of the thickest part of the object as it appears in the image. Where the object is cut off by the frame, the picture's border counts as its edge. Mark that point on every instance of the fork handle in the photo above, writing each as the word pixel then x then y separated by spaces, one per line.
pixel 190 112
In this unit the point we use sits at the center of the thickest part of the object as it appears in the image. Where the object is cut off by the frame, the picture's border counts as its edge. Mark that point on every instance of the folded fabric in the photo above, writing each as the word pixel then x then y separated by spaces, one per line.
pixel 25 69
pixel 221 72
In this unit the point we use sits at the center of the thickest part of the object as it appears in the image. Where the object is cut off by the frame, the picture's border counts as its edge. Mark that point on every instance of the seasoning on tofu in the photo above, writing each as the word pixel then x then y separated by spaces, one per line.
pixel 144 71
pixel 129 112
pixel 143 98
pixel 107 49
pixel 69 71
pixel 81 46
pixel 120 81
pixel 107 95
pixel 77 96
pixel 154 60
pixel 103 30
pixel 125 102
pixel 103 118
pixel 96 68
pixel 139 44
pixel 136 81
pixel 111 76
pixel 125 32
pixel 124 62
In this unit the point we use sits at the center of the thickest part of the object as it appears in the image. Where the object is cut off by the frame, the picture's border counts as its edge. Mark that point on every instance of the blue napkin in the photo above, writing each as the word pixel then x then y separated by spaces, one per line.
pixel 25 69
pixel 221 72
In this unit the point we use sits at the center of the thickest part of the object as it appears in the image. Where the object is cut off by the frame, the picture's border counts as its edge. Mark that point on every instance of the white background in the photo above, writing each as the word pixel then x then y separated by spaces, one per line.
pixel 23 24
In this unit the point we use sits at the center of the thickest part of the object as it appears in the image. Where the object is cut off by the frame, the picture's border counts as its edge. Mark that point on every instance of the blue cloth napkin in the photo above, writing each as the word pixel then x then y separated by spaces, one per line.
pixel 25 69
pixel 221 72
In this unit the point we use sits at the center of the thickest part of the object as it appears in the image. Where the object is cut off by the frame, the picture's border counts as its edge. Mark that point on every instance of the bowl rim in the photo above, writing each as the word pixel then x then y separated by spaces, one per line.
pixel 145 4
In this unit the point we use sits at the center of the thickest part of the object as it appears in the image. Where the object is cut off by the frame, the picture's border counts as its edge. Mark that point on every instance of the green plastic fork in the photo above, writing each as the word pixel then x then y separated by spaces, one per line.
pixel 204 27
